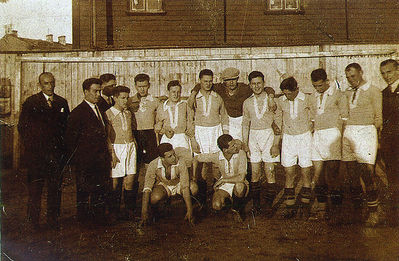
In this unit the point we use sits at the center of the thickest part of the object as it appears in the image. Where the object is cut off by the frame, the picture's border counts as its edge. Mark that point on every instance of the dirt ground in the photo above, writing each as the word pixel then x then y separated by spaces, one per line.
pixel 215 237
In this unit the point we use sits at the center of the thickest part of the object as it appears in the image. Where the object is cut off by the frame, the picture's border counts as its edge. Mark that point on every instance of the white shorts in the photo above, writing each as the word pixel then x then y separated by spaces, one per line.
pixel 235 127
pixel 360 144
pixel 326 145
pixel 126 154
pixel 207 138
pixel 228 187
pixel 297 149
pixel 259 143
pixel 172 190
pixel 178 140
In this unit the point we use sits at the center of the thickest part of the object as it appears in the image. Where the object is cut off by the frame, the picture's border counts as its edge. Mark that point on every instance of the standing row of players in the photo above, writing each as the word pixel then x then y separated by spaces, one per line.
pixel 224 125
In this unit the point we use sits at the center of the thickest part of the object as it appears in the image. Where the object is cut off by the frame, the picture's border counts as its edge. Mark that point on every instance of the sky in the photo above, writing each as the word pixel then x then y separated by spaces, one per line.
pixel 37 18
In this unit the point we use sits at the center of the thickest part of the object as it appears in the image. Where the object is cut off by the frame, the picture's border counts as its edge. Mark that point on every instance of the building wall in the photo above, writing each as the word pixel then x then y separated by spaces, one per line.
pixel 200 23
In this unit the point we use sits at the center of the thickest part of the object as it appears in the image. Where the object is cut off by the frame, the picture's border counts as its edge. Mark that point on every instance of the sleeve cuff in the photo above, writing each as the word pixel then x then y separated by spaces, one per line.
pixel 147 189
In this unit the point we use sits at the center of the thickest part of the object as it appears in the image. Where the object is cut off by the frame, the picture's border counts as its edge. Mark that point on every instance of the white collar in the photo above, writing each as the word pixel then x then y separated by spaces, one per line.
pixel 199 95
pixel 166 106
pixel 116 111
pixel 395 85
pixel 161 166
pixel 91 104
pixel 148 98
pixel 365 86
pixel 300 96
pixel 46 96
pixel 329 91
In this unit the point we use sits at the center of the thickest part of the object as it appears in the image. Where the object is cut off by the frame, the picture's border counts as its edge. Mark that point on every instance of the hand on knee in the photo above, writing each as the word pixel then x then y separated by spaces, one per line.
pixel 217 205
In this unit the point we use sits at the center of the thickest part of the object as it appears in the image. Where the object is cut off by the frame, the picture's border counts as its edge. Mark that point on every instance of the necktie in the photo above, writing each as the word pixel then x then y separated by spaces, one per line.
pixel 50 102
pixel 99 115
pixel 354 94
pixel 168 174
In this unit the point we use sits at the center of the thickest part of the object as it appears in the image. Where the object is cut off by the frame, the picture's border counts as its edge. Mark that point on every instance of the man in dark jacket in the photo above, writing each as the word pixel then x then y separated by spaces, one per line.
pixel 86 141
pixel 390 132
pixel 41 125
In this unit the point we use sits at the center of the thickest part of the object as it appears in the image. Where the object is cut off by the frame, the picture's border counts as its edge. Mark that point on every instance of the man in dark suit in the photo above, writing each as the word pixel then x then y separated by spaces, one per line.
pixel 86 141
pixel 41 126
pixel 390 132
pixel 107 89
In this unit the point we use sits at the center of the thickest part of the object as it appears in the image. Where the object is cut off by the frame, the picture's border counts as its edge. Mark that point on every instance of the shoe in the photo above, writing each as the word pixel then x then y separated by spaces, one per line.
pixel 289 212
pixel 303 213
pixel 320 215
pixel 236 216
pixel 373 219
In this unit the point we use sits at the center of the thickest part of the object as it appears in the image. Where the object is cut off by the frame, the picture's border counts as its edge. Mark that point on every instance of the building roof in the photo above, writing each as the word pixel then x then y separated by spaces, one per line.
pixel 11 42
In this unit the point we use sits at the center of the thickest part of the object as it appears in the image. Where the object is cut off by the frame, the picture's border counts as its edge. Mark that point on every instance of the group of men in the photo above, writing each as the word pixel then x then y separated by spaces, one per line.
pixel 223 133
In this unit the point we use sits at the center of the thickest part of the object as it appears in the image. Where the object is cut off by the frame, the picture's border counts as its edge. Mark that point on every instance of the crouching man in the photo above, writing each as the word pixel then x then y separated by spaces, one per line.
pixel 231 184
pixel 167 176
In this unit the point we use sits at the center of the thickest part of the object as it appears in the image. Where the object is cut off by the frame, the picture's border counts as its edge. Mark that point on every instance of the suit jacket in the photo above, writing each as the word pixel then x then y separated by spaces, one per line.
pixel 103 105
pixel 390 112
pixel 42 129
pixel 86 140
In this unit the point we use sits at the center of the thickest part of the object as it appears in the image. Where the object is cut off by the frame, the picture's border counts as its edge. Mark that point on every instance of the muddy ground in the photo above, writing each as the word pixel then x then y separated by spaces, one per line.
pixel 215 237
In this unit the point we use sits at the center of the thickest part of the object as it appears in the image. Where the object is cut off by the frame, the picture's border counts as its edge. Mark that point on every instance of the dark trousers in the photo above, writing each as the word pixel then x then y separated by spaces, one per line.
pixel 51 176
pixel 390 155
pixel 147 145
pixel 91 192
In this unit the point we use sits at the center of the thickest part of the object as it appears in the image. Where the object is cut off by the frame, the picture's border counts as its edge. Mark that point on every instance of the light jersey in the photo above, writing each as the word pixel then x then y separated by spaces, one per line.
pixel 365 106
pixel 120 126
pixel 144 109
pixel 210 112
pixel 156 173
pixel 176 117
pixel 329 109
pixel 256 114
pixel 294 117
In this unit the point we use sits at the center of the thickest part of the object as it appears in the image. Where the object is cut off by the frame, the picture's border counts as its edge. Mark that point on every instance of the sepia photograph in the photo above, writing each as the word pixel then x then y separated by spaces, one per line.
pixel 199 130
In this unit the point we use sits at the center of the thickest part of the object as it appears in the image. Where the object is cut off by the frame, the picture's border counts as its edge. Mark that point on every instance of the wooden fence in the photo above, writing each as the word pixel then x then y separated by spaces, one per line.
pixel 72 68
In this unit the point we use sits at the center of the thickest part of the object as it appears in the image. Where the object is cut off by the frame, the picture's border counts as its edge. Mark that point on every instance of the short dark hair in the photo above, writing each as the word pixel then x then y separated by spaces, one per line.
pixel 318 74
pixel 163 148
pixel 256 74
pixel 118 89
pixel 354 66
pixel 205 72
pixel 141 77
pixel 47 74
pixel 89 82
pixel 389 61
pixel 223 141
pixel 289 84
pixel 106 77
pixel 173 83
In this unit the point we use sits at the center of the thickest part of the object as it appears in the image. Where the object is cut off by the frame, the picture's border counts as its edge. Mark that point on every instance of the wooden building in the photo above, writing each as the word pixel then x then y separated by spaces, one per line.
pixel 102 24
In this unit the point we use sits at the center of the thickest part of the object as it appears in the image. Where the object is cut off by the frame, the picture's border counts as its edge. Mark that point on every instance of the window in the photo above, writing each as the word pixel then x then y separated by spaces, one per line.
pixel 145 6
pixel 284 6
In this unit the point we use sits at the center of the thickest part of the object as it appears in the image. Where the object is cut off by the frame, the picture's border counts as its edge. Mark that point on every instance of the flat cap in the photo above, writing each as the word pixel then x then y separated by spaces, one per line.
pixel 230 73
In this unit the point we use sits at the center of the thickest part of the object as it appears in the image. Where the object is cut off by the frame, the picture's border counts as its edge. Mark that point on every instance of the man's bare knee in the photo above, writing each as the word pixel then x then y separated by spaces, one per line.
pixel 239 190
pixel 217 204
pixel 193 188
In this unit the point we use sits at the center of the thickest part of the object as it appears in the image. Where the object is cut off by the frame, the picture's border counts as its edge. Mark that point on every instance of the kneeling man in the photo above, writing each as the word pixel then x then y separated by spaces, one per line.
pixel 167 176
pixel 231 184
